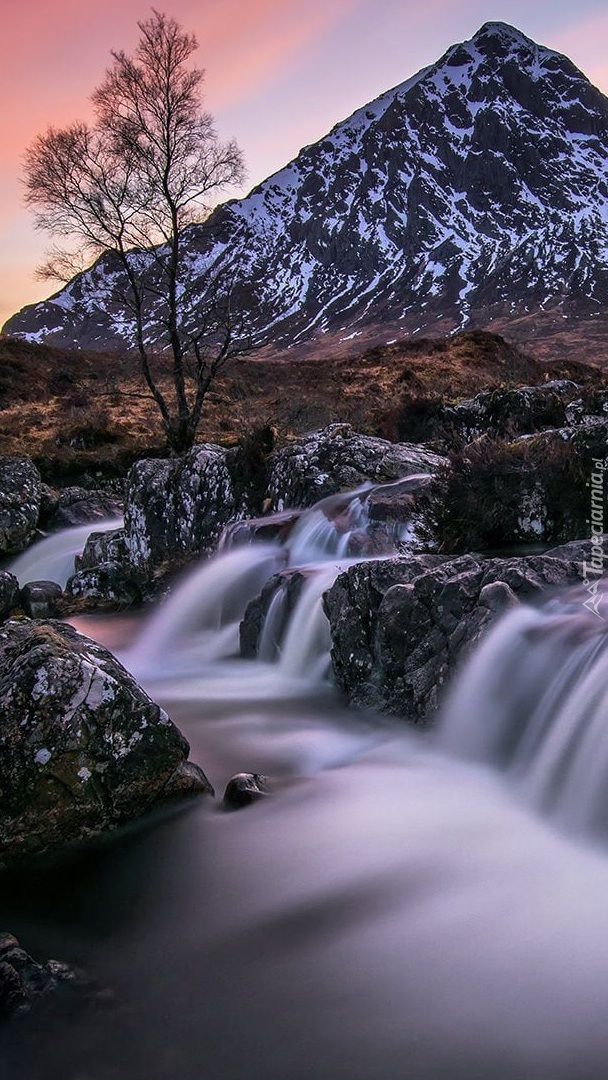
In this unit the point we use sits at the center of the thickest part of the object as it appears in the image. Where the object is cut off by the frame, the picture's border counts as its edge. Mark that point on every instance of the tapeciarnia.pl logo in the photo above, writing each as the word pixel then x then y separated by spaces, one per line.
pixel 592 571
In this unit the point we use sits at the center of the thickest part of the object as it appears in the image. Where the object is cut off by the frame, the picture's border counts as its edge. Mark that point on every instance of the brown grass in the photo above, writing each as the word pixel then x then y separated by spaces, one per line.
pixel 75 410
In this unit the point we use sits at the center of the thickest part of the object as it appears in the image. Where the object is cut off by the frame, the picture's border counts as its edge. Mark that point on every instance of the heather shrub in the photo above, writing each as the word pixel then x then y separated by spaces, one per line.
pixel 494 493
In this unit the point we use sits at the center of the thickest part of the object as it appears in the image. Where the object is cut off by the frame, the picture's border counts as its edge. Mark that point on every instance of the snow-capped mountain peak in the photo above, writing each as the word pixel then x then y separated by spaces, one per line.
pixel 477 186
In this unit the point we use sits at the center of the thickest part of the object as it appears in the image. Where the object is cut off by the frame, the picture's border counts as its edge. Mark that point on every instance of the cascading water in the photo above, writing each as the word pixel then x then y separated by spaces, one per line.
pixel 534 703
pixel 199 623
pixel 395 907
pixel 200 620
pixel 52 558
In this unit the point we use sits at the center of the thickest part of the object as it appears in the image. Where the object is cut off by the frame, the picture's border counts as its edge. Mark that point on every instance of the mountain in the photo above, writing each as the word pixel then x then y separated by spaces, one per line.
pixel 475 191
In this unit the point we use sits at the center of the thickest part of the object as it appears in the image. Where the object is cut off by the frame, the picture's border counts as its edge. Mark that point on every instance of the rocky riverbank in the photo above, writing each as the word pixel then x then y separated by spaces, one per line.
pixel 399 623
pixel 85 749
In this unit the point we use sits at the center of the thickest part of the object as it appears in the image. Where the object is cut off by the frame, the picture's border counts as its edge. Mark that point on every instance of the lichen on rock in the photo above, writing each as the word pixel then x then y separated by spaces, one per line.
pixel 82 746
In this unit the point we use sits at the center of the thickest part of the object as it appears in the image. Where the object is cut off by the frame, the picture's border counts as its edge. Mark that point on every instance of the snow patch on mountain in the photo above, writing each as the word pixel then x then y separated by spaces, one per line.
pixel 482 180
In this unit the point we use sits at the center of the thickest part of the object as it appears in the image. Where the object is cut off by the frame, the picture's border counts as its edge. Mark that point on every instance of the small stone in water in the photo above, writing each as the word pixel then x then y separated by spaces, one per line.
pixel 244 789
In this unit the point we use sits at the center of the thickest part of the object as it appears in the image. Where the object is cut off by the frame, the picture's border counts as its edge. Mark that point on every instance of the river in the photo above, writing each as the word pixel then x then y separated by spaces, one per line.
pixel 429 906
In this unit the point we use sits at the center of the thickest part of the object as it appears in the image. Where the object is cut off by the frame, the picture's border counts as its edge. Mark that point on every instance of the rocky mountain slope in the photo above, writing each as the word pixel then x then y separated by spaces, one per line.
pixel 477 190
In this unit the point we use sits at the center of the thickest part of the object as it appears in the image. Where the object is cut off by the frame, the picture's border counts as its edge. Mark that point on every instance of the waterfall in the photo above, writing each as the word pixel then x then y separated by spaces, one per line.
pixel 393 900
pixel 533 703
pixel 199 623
pixel 52 559
pixel 305 649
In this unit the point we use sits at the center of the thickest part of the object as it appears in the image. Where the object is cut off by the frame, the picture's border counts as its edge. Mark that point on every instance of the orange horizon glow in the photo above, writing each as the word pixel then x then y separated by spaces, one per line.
pixel 278 75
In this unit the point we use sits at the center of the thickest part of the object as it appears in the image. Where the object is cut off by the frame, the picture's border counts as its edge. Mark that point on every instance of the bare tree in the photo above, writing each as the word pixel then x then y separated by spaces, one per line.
pixel 130 183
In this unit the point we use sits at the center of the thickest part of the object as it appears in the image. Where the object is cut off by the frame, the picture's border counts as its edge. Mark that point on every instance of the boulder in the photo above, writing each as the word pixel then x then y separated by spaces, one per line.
pixel 111 584
pixel 338 459
pixel 102 548
pixel 79 506
pixel 511 411
pixel 9 593
pixel 41 599
pixel 26 984
pixel 20 495
pixel 397 502
pixel 282 592
pixel 82 746
pixel 400 627
pixel 178 507
pixel 243 790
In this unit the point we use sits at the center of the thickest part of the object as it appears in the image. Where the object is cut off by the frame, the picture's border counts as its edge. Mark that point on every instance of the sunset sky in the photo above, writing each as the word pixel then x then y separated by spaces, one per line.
pixel 279 74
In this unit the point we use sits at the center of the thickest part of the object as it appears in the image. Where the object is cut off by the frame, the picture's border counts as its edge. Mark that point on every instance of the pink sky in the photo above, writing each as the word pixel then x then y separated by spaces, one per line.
pixel 279 74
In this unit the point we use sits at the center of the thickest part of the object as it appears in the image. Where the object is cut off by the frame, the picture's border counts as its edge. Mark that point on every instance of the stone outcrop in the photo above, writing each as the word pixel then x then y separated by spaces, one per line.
pixel 9 593
pixel 177 508
pixel 27 984
pixel 82 746
pixel 400 627
pixel 506 413
pixel 41 599
pixel 20 495
pixel 339 459
pixel 77 506
pixel 536 488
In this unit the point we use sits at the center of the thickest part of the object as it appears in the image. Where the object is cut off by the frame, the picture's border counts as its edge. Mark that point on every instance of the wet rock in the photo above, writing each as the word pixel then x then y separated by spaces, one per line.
pixel 398 503
pixel 284 589
pixel 400 627
pixel 9 593
pixel 82 746
pixel 20 495
pixel 26 984
pixel 244 789
pixel 41 599
pixel 265 530
pixel 102 548
pixel 111 584
pixel 338 459
pixel 178 507
pixel 78 506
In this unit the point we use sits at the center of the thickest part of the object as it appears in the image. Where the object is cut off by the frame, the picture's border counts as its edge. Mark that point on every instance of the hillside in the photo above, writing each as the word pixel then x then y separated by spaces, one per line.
pixel 73 411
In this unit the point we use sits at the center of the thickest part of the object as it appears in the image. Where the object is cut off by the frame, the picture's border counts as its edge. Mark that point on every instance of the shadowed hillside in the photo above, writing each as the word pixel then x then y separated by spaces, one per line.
pixel 76 410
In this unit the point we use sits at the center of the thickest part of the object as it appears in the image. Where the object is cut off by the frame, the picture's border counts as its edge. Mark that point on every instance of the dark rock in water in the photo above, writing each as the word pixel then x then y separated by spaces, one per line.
pixel 398 504
pixel 109 583
pixel 82 746
pixel 20 495
pixel 265 530
pixel 77 506
pixel 26 984
pixel 101 548
pixel 352 605
pixel 338 459
pixel 286 585
pixel 40 599
pixel 400 627
pixel 244 789
pixel 178 507
pixel 9 593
